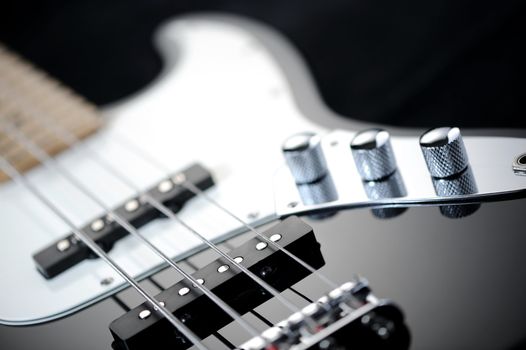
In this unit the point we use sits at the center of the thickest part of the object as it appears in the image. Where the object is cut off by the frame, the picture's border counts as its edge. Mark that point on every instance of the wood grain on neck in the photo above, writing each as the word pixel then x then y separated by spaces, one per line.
pixel 40 108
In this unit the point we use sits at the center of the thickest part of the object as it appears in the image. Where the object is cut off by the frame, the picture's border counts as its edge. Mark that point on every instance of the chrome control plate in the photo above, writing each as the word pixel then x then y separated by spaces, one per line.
pixel 489 158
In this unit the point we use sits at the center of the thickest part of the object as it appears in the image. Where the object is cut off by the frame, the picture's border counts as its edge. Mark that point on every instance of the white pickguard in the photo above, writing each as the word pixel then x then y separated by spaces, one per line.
pixel 222 101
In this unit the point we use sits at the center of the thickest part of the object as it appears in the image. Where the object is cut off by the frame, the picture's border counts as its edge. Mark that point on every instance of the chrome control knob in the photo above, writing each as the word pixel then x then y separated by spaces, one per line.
pixel 373 154
pixel 304 156
pixel 444 152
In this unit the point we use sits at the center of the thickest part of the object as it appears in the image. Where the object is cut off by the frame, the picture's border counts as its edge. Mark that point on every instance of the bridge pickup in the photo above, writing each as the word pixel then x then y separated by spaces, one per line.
pixel 349 317
pixel 135 331
pixel 69 251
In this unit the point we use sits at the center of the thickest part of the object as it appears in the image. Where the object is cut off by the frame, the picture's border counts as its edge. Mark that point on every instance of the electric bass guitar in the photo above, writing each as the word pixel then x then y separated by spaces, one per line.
pixel 226 207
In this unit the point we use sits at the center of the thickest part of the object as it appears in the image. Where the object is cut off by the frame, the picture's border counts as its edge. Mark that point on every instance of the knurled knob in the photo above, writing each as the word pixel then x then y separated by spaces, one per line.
pixel 304 157
pixel 444 151
pixel 373 154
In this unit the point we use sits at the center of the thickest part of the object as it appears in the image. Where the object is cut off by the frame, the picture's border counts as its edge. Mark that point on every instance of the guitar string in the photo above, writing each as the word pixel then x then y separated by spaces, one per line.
pixel 72 141
pixel 159 206
pixel 51 164
pixel 197 192
pixel 16 176
pixel 200 193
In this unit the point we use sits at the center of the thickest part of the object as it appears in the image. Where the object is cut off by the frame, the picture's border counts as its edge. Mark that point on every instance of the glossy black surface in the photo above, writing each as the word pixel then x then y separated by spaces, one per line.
pixel 460 282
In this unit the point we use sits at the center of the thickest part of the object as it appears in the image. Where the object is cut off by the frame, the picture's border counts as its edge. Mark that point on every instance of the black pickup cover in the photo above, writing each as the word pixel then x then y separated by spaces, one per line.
pixel 199 313
pixel 50 261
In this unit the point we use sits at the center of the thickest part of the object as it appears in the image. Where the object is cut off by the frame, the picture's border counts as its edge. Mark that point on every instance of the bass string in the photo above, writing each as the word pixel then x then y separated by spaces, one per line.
pixel 16 176
pixel 71 139
pixel 47 161
pixel 51 164
pixel 43 157
pixel 73 142
pixel 200 193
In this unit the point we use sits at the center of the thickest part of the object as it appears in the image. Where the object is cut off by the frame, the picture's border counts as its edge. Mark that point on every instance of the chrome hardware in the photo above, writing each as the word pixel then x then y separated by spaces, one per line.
pixel 318 192
pixel 489 161
pixel 373 154
pixel 306 162
pixel 304 157
pixel 444 151
pixel 462 184
pixel 519 165
pixel 351 302
pixel 390 187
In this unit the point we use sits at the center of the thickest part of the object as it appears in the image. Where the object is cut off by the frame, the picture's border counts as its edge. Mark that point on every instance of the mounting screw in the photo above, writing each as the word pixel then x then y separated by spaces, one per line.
pixel 107 281
pixel 292 204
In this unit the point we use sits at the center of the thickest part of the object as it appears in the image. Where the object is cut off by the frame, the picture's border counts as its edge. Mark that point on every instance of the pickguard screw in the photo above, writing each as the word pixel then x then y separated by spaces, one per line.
pixel 107 281
pixel 292 204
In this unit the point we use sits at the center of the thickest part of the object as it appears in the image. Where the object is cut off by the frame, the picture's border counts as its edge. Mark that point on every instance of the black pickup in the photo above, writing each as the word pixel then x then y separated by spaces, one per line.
pixel 198 312
pixel 69 251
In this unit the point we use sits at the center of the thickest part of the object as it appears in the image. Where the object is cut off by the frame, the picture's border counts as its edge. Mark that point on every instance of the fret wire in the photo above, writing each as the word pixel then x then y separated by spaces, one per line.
pixel 76 123
pixel 50 163
pixel 21 81
pixel 16 176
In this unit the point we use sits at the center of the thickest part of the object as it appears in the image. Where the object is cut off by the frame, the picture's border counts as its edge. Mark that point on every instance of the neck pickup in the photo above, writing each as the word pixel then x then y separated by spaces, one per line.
pixel 69 251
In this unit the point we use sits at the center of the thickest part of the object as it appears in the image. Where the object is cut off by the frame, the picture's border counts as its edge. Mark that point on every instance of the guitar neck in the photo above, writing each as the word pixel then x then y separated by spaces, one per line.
pixel 38 105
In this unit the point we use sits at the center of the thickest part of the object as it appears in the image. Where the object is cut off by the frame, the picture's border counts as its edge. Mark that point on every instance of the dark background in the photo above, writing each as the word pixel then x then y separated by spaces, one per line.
pixel 410 63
